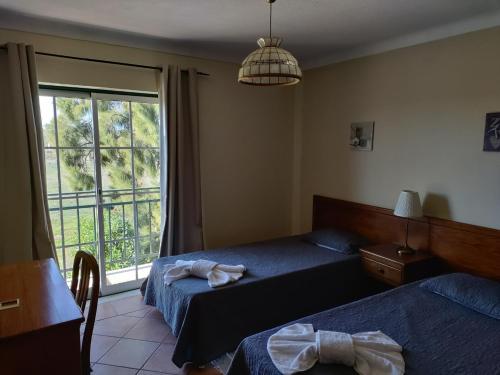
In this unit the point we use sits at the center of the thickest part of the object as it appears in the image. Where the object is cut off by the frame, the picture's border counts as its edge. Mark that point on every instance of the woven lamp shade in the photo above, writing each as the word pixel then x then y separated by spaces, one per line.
pixel 270 65
pixel 408 205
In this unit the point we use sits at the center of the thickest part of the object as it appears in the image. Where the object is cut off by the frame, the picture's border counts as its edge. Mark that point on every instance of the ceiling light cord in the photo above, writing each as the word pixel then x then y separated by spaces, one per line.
pixel 270 20
pixel 270 65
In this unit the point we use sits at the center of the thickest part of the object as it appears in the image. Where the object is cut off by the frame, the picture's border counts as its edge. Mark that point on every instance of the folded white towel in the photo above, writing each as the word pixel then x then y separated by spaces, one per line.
pixel 297 348
pixel 216 274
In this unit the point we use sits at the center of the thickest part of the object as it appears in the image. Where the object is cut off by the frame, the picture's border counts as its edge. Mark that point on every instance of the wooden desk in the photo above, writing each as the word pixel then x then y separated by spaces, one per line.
pixel 42 335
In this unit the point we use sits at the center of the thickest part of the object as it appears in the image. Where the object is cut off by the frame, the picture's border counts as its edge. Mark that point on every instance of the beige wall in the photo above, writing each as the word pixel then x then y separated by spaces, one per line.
pixel 246 138
pixel 265 152
pixel 429 104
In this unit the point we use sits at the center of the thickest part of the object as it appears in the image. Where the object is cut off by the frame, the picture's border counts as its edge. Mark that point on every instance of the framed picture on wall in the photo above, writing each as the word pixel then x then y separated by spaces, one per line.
pixel 492 132
pixel 362 136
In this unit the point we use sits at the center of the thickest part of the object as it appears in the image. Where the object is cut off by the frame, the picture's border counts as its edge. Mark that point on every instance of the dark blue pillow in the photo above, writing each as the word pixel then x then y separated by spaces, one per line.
pixel 476 293
pixel 338 240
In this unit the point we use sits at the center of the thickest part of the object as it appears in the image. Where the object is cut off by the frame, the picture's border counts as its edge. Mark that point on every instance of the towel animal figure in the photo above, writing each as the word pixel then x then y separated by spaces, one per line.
pixel 297 348
pixel 216 274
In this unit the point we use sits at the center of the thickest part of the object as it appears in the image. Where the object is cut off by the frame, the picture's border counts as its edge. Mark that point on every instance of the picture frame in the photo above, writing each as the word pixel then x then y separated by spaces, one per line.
pixel 361 136
pixel 491 141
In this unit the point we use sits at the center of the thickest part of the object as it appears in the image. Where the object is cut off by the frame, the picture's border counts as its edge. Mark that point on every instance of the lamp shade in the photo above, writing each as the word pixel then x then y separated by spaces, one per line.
pixel 270 65
pixel 408 205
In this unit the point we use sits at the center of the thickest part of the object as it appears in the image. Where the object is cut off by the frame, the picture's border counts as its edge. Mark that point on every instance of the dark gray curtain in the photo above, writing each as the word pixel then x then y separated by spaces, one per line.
pixel 180 163
pixel 25 229
pixel 182 223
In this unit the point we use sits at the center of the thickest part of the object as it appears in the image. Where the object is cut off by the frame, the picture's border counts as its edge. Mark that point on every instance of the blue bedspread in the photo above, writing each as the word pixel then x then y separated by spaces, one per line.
pixel 438 336
pixel 287 278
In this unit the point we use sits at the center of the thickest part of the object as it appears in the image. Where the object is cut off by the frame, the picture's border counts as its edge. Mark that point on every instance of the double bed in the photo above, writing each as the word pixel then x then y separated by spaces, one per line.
pixel 286 279
pixel 438 334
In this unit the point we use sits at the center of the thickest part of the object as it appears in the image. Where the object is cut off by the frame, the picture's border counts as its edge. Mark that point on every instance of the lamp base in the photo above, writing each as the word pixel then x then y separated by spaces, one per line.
pixel 405 250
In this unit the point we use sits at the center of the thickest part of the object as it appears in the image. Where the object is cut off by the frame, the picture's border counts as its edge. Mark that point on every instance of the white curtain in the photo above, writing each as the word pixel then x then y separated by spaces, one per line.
pixel 25 230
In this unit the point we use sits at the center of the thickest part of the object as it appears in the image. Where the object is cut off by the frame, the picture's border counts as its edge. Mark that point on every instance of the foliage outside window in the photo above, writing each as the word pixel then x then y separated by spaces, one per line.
pixel 128 133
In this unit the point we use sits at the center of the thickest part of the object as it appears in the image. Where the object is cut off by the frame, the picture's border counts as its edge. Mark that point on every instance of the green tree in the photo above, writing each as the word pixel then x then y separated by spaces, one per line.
pixel 74 120
pixel 118 132
pixel 118 254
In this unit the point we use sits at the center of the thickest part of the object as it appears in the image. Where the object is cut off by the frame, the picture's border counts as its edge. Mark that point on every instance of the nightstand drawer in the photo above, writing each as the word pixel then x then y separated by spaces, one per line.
pixel 382 271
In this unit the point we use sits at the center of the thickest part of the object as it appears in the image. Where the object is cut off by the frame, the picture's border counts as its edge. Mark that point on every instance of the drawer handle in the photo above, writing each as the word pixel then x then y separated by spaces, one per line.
pixel 381 270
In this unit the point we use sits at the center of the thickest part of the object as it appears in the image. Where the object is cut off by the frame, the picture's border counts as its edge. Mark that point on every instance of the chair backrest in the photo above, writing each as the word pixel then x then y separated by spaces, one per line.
pixel 85 266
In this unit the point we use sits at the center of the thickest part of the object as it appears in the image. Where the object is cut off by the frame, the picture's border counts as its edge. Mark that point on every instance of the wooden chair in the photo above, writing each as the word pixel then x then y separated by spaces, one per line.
pixel 85 266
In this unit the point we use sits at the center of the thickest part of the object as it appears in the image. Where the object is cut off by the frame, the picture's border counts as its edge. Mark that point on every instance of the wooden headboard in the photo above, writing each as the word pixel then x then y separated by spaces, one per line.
pixel 462 247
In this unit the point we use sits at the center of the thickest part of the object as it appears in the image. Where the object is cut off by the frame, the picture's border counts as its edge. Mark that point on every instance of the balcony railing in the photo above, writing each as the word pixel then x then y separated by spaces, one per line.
pixel 131 226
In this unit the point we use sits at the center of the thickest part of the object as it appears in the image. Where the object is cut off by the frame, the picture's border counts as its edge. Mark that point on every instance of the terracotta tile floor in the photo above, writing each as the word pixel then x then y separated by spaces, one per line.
pixel 131 338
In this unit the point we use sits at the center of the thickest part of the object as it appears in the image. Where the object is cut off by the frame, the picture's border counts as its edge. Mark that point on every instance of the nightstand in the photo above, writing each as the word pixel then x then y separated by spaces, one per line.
pixel 383 263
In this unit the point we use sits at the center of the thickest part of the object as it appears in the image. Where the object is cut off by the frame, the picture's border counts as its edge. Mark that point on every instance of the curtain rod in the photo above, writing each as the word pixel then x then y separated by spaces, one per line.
pixel 104 61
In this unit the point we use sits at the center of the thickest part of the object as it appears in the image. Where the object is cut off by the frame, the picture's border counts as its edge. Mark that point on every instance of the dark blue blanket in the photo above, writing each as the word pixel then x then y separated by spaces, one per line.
pixel 286 279
pixel 438 336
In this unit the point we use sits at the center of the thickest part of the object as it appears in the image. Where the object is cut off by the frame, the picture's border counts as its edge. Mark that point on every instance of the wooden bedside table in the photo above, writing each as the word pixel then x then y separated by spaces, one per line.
pixel 383 263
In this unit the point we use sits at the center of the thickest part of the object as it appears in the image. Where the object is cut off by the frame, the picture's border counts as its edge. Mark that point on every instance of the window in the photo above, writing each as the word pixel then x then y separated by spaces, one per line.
pixel 103 181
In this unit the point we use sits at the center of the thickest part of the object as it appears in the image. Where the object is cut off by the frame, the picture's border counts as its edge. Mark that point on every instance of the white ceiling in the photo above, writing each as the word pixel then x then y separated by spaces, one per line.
pixel 316 31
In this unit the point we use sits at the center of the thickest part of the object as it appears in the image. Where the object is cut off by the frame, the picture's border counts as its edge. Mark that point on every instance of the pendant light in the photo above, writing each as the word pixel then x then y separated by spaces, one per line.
pixel 270 65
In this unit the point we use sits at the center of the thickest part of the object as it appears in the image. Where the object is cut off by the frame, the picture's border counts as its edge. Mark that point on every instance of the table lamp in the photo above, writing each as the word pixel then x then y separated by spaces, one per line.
pixel 408 206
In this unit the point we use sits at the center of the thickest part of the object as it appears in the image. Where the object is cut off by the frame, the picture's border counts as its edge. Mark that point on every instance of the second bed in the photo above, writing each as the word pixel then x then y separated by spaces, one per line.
pixel 447 325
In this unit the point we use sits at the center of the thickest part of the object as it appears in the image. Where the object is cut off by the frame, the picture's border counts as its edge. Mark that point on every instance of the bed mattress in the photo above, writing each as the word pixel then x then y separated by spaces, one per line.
pixel 286 278
pixel 438 336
